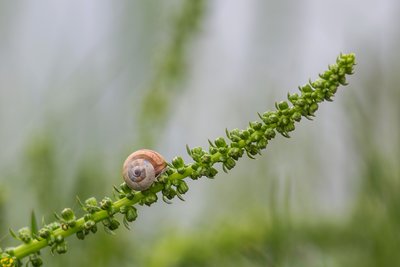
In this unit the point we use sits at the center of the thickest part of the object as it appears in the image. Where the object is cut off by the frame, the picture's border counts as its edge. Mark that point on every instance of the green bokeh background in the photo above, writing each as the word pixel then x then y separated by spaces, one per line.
pixel 84 84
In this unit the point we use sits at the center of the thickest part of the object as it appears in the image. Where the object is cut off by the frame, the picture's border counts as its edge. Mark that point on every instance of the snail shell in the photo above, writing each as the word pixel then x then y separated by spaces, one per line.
pixel 141 169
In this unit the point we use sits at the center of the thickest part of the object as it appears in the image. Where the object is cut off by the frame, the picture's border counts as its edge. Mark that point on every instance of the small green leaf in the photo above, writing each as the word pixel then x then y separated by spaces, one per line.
pixel 166 200
pixel 80 202
pixel 13 234
pixel 34 226
pixel 188 150
pixel 126 224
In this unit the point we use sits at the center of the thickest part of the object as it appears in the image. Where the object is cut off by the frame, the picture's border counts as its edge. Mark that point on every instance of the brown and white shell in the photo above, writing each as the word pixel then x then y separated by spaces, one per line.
pixel 141 169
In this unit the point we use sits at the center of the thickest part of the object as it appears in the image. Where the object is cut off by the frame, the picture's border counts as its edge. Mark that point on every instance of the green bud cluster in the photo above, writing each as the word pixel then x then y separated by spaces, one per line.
pixel 174 187
pixel 25 235
pixel 225 151
pixel 256 136
pixel 67 218
pixel 6 260
pixel 35 260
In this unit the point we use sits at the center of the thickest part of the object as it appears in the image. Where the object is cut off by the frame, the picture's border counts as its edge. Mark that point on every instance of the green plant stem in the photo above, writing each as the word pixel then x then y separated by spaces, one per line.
pixel 252 141
pixel 24 250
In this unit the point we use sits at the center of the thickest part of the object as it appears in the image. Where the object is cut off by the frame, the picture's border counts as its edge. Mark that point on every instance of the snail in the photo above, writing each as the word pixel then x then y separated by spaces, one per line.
pixel 141 169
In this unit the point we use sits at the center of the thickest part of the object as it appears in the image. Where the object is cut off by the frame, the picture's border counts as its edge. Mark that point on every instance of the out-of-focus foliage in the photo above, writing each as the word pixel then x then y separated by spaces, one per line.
pixel 41 171
pixel 169 72
pixel 368 238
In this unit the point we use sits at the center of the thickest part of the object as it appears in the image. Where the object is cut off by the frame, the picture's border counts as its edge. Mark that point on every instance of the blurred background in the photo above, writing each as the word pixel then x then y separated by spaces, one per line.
pixel 84 83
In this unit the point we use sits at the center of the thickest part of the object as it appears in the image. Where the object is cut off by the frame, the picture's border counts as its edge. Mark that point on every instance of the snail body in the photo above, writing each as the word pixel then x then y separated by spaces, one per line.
pixel 141 169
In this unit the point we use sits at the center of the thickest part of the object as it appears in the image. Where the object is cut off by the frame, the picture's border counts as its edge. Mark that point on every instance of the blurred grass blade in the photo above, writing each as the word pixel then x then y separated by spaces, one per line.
pixel 34 225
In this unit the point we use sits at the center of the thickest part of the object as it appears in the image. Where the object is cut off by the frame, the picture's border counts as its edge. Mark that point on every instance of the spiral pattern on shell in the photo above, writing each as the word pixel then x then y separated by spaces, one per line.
pixel 141 169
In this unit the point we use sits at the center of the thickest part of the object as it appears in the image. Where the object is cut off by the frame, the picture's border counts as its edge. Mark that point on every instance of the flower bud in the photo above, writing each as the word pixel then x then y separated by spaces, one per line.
pixel 131 214
pixel 149 199
pixel 44 232
pixel 182 187
pixel 269 134
pixel 235 153
pixel 256 125
pixel 220 142
pixel 80 235
pixel 213 150
pixel 229 163
pixel 106 203
pixel 67 214
pixel 178 162
pixel 59 239
pixel 296 116
pixel 206 158
pixel 114 224
pixel 210 172
pixel 283 105
pixel 61 248
pixel 25 235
